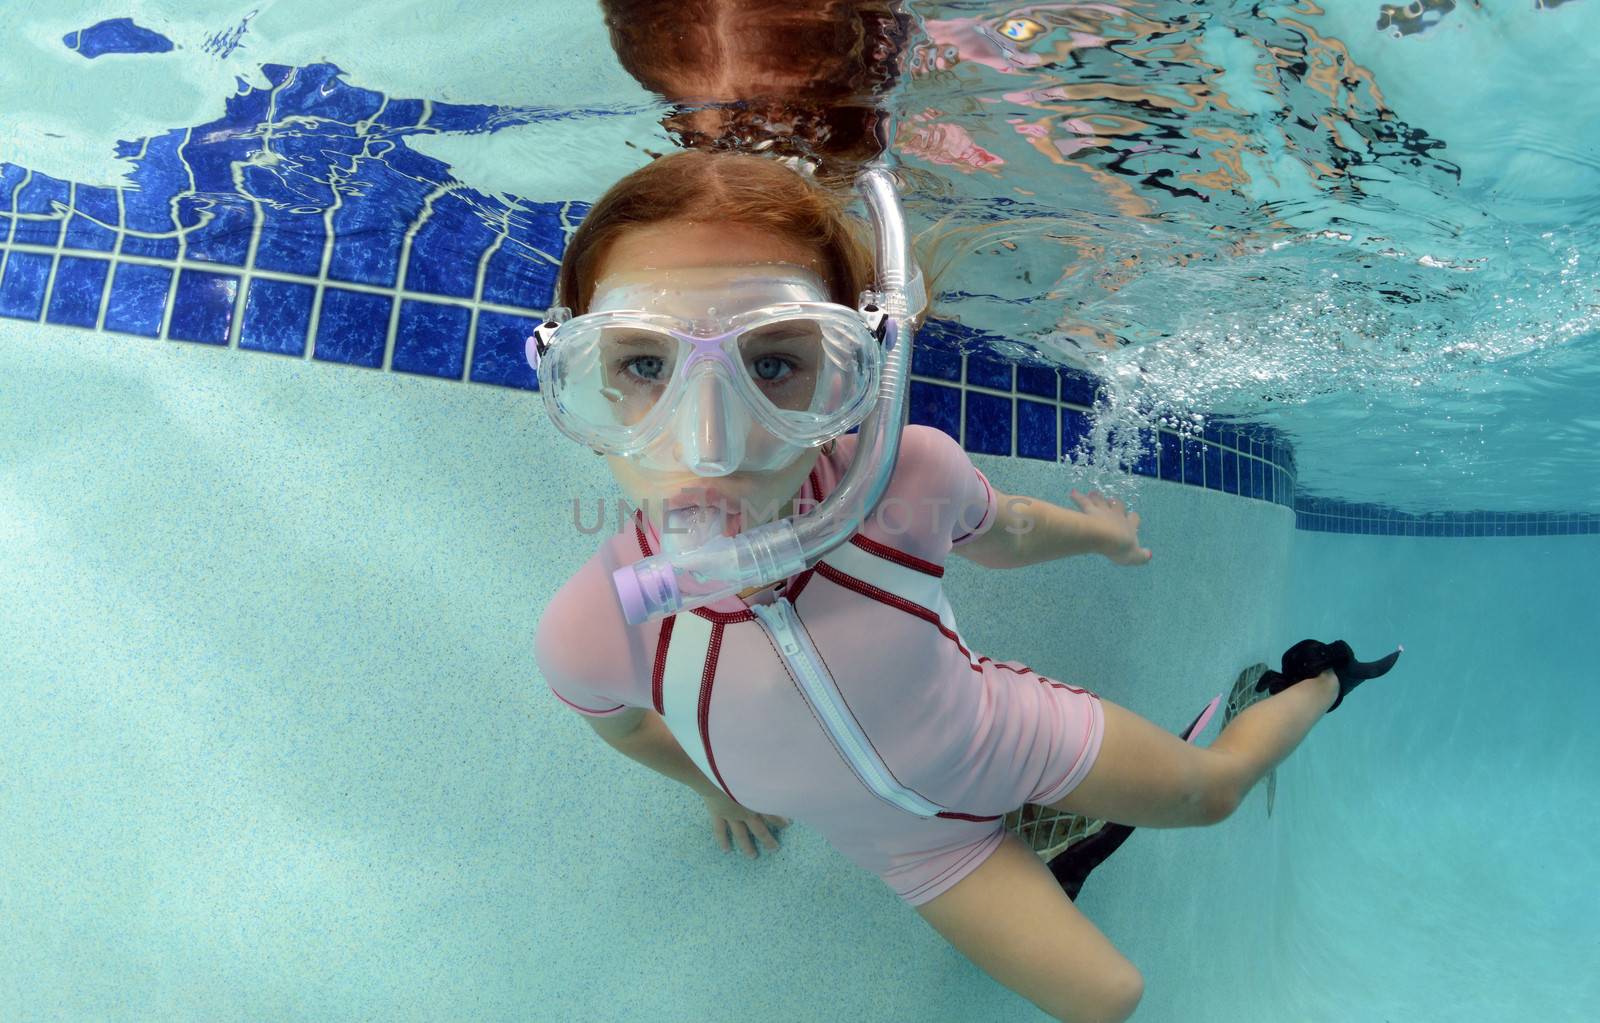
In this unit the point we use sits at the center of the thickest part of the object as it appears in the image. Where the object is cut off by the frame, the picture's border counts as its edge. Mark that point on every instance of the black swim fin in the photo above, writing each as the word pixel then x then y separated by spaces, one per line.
pixel 1309 658
pixel 1072 867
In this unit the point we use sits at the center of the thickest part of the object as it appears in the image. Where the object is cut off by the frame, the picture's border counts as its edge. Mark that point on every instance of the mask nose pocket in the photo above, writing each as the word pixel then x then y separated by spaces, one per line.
pixel 710 429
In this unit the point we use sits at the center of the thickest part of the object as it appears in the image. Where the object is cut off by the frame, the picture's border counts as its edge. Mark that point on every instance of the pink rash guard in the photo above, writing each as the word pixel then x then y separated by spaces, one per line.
pixel 973 737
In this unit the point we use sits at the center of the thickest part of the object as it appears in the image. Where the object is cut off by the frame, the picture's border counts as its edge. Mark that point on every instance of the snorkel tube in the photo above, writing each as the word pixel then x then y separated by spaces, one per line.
pixel 665 584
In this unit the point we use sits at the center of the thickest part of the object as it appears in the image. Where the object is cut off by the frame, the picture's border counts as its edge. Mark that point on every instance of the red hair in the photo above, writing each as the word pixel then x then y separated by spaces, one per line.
pixel 713 187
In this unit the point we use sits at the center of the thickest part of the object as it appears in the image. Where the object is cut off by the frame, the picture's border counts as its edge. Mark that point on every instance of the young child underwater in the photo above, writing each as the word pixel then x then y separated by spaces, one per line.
pixel 725 325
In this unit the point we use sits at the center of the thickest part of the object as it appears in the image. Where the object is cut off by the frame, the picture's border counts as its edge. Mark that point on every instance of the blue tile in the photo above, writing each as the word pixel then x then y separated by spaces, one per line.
pixel 353 327
pixel 277 316
pixel 518 276
pixel 1038 380
pixel 987 371
pixel 1213 460
pixel 116 35
pixel 46 199
pixel 22 288
pixel 158 177
pixel 400 113
pixel 460 117
pixel 1079 388
pixel 1075 430
pixel 147 207
pixel 1269 491
pixel 1256 488
pixel 83 233
pixel 11 177
pixel 1036 430
pixel 988 424
pixel 365 257
pixel 431 339
pixel 95 215
pixel 930 361
pixel 220 228
pixel 447 249
pixel 1211 431
pixel 75 298
pixel 217 149
pixel 154 248
pixel 936 405
pixel 138 299
pixel 292 193
pixel 202 307
pixel 1230 472
pixel 316 91
pixel 1171 457
pixel 290 242
pixel 499 356
pixel 1194 474
pixel 538 225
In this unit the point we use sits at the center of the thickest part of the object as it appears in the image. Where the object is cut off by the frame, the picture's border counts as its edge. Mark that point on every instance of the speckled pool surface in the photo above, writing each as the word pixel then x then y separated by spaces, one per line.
pixel 280 508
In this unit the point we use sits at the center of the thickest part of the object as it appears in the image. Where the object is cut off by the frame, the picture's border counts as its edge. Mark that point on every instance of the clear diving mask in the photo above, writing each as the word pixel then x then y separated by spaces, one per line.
pixel 741 368
pixel 712 370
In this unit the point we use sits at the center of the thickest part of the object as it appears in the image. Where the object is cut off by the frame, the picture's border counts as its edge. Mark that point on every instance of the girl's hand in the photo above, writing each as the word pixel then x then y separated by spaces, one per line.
pixel 1117 526
pixel 728 816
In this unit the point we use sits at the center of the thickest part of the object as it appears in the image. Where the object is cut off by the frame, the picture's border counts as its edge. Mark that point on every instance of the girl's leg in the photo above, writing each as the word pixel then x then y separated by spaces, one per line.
pixel 1147 777
pixel 1011 918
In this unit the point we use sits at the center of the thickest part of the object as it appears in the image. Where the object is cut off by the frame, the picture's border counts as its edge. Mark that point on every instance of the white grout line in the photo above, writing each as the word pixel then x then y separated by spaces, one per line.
pixel 111 261
pixel 404 266
pixel 183 241
pixel 477 294
pixel 236 321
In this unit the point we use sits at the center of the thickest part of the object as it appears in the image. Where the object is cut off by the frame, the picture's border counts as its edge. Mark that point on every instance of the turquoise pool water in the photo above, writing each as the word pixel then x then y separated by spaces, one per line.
pixel 275 507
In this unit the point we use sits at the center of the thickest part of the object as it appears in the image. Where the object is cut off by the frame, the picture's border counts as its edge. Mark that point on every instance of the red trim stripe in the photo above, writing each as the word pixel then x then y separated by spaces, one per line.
pixel 659 672
pixel 988 500
pixel 586 710
pixel 800 584
pixel 953 816
pixel 1025 670
pixel 866 589
pixel 703 713
pixel 899 557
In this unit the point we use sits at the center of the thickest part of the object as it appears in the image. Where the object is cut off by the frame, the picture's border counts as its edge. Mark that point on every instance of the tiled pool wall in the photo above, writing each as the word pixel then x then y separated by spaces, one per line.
pixel 335 241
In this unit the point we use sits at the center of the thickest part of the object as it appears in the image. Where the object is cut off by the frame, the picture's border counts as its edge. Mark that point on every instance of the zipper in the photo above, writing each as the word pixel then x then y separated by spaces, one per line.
pixel 780 622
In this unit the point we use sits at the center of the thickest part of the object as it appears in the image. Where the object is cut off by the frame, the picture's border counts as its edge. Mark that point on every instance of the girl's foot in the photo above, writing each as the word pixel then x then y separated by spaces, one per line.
pixel 1309 658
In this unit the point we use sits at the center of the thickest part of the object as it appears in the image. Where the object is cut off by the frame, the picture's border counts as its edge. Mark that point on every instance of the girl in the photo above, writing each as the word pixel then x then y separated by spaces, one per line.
pixel 903 747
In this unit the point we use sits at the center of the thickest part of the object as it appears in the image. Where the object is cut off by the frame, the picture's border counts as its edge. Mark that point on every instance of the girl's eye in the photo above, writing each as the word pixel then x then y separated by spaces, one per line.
pixel 770 369
pixel 645 368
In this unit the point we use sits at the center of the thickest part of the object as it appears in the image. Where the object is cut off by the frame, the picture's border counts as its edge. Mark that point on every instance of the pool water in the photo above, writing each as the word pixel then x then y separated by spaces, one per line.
pixel 280 508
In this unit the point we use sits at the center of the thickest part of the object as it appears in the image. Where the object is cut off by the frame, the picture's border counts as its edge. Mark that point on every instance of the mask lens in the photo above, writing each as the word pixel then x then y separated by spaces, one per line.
pixel 620 374
pixel 807 368
pixel 784 361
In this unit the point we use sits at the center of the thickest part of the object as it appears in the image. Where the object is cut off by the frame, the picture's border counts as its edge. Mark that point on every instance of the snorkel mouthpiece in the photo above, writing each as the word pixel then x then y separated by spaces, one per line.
pixel 670 582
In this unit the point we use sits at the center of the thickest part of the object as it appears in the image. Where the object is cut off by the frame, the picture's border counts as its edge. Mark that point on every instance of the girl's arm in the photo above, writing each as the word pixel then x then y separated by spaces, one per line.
pixel 1028 530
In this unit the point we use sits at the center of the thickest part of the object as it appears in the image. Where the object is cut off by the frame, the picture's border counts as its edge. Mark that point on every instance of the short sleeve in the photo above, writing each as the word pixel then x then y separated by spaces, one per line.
pixel 977 508
pixel 589 657
pixel 943 468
